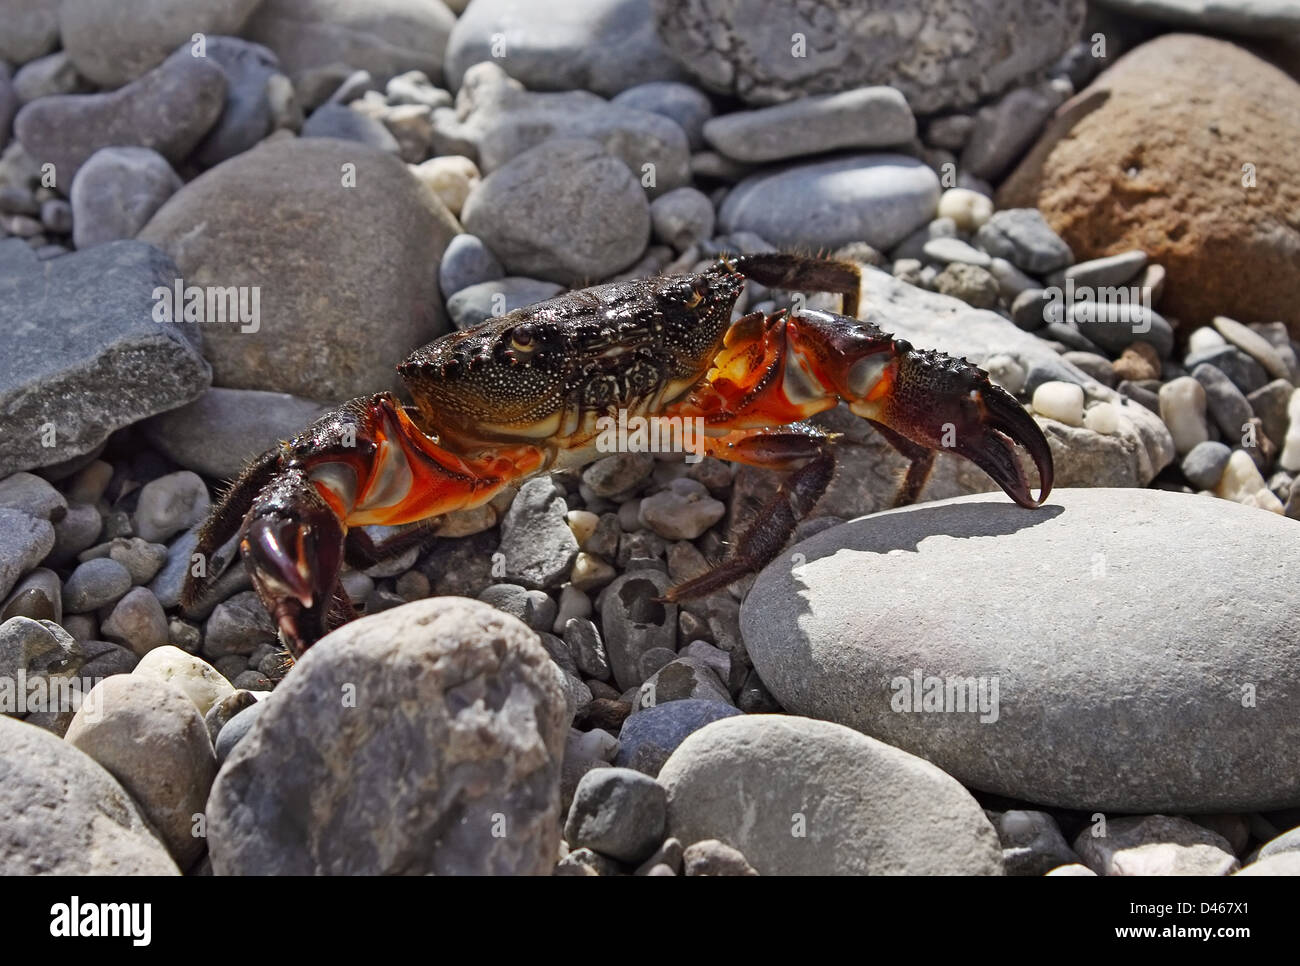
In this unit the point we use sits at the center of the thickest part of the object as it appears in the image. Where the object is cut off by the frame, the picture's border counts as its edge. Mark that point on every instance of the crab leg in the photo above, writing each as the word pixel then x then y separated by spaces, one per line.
pixel 363 463
pixel 781 369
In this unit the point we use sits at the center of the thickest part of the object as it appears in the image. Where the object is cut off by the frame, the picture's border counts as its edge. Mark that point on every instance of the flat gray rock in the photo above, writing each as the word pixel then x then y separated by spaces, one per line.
pixel 84 355
pixel 385 39
pixel 218 433
pixel 1066 610
pixel 66 815
pixel 1265 18
pixel 804 797
pixel 117 191
pixel 169 109
pixel 867 117
pixel 602 46
pixel 31 30
pixel 113 44
pixel 335 316
pixel 879 199
pixel 424 739
pixel 944 54
pixel 497 119
pixel 565 211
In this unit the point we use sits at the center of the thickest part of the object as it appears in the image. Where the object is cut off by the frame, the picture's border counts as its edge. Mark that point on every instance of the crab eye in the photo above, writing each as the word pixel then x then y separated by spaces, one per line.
pixel 523 338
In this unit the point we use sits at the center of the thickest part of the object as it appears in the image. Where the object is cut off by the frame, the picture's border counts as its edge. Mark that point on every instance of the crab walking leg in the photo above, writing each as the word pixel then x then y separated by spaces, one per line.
pixel 811 456
pixel 783 369
pixel 804 273
pixel 363 463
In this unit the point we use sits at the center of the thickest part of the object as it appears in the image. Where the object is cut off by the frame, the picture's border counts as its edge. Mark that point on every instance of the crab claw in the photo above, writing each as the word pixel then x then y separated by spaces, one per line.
pixel 293 549
pixel 945 403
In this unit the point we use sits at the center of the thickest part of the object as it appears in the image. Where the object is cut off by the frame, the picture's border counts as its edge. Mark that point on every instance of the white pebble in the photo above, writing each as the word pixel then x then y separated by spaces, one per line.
pixel 1102 418
pixel 968 209
pixel 1290 458
pixel 1204 338
pixel 1182 407
pixel 450 177
pixel 1242 483
pixel 1006 371
pixel 200 681
pixel 1062 401
pixel 596 744
pixel 590 572
pixel 573 603
pixel 583 523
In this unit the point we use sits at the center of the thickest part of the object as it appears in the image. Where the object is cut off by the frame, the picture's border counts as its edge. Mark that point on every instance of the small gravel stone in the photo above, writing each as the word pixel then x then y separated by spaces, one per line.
pixel 1011 280
pixel 687 105
pixel 95 584
pixel 633 622
pixel 534 607
pixel 1007 372
pixel 711 857
pixel 683 511
pixel 467 261
pixel 238 626
pixel 536 543
pixel 866 117
pixel 479 302
pixel 223 710
pixel 238 726
pixel 1032 843
pixel 1109 271
pixel 1204 464
pixel 1155 845
pixel 968 209
pixel 1289 459
pixel 618 474
pixel 680 679
pixel 651 735
pixel 28 493
pixel 1029 308
pixel 1242 483
pixel 1023 237
pixel 948 250
pixel 1254 345
pixel 1102 418
pixel 565 211
pixel 574 604
pixel 1182 407
pixel 1005 129
pixel 141 558
pixel 37 596
pixel 1138 361
pixel 682 217
pixel 171 504
pixel 1062 401
pixel 137 621
pixel 588 649
pixel 1246 374
pixel 450 177
pixel 973 285
pixel 117 191
pixel 1098 367
pixel 338 121
pixel 197 679
pixel 618 812
pixel 1225 402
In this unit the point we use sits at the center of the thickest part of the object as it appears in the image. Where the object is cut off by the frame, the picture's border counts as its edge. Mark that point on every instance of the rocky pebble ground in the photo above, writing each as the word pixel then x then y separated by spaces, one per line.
pixel 1093 202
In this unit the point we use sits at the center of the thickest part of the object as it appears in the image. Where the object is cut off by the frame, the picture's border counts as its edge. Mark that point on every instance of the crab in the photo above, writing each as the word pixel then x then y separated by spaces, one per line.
pixel 525 393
